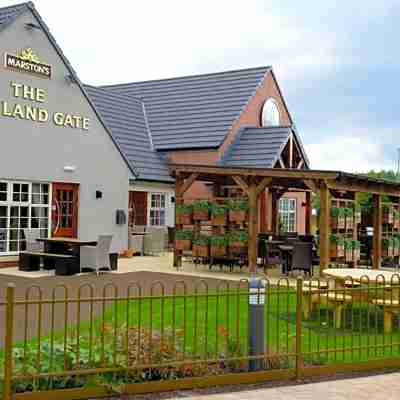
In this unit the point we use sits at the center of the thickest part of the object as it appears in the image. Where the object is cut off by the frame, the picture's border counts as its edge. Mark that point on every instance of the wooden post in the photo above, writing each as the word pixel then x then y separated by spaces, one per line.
pixel 308 214
pixel 377 239
pixel 253 222
pixel 263 212
pixel 178 200
pixel 8 342
pixel 324 227
pixel 274 212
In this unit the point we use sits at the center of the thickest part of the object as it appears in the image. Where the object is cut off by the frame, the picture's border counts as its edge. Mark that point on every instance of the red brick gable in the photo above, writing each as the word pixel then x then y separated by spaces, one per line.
pixel 251 115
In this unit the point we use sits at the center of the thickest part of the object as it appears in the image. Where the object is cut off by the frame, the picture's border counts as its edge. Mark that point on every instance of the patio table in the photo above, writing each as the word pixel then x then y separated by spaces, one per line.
pixel 360 274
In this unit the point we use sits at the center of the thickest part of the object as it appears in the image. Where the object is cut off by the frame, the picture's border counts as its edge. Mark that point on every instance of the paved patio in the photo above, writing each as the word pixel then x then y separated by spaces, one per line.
pixel 376 387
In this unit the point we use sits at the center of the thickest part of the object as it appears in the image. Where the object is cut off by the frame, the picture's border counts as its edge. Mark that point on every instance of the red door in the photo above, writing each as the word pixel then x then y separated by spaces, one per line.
pixel 65 210
pixel 137 208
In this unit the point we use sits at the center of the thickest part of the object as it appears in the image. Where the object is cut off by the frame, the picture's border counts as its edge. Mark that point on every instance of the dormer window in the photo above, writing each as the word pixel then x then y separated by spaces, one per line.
pixel 270 113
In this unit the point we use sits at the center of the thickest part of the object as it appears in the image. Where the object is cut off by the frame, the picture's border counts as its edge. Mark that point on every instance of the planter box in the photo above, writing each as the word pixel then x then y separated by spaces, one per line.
pixel 184 219
pixel 387 251
pixel 338 223
pixel 387 216
pixel 349 223
pixel 201 215
pixel 336 251
pixel 396 223
pixel 237 216
pixel 183 244
pixel 218 251
pixel 201 251
pixel 357 217
pixel 396 251
pixel 237 247
pixel 218 219
pixel 349 255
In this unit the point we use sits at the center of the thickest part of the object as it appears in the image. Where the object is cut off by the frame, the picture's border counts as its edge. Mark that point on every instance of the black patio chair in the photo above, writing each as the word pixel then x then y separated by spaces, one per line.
pixel 302 258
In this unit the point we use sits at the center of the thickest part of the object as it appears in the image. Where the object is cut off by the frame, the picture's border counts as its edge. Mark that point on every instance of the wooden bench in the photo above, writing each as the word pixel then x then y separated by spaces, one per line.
pixel 64 264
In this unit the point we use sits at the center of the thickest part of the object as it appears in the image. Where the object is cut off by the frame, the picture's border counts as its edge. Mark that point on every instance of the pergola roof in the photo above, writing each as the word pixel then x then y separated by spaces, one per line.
pixel 290 178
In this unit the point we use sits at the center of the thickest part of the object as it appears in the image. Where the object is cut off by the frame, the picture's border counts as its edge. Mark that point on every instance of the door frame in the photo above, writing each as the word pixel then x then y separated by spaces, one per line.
pixel 76 188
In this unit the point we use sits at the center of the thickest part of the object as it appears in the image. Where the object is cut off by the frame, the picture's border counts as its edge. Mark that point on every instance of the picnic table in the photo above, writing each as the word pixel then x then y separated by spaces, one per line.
pixel 363 275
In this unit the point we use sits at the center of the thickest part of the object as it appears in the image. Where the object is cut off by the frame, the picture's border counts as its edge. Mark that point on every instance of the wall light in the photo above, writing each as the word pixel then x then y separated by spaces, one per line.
pixel 31 26
pixel 69 168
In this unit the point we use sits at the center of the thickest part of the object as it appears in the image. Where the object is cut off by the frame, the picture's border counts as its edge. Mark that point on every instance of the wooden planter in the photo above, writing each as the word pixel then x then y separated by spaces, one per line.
pixel 201 250
pixel 183 244
pixel 218 219
pixel 338 223
pixel 387 216
pixel 237 216
pixel 184 219
pixel 201 215
pixel 349 255
pixel 349 222
pixel 396 223
pixel 218 251
pixel 396 251
pixel 336 251
pixel 357 217
pixel 387 251
pixel 356 254
pixel 237 247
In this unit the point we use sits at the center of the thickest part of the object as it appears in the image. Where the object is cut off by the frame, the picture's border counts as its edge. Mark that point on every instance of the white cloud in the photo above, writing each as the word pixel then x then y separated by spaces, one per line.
pixel 348 153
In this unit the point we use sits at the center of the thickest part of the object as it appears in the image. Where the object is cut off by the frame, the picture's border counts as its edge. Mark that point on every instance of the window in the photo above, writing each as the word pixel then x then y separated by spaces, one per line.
pixel 157 209
pixel 22 205
pixel 287 215
pixel 270 113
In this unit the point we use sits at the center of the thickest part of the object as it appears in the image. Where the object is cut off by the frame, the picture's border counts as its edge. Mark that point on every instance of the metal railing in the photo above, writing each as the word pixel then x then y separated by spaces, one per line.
pixel 138 339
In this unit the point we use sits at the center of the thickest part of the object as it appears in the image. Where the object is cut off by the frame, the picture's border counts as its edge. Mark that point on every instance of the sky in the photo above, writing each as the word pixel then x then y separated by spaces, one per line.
pixel 337 62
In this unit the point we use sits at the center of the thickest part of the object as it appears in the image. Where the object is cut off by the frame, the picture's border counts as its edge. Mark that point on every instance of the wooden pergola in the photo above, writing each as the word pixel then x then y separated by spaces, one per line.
pixel 254 181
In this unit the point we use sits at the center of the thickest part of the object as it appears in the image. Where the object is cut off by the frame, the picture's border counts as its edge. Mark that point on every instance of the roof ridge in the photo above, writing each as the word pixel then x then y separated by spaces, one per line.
pixel 267 67
pixel 146 121
pixel 25 3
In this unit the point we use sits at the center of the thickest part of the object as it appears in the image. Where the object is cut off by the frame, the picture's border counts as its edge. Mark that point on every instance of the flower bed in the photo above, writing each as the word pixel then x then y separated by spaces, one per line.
pixel 184 214
pixel 183 239
pixel 337 246
pixel 238 210
pixel 338 218
pixel 218 214
pixel 201 210
pixel 219 245
pixel 201 246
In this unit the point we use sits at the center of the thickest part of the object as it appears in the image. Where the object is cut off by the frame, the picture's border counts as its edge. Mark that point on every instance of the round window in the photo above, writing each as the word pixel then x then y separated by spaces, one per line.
pixel 270 113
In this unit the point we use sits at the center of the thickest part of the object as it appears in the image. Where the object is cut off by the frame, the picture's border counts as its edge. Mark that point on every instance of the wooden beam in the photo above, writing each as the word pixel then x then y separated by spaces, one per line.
pixel 272 172
pixel 377 238
pixel 185 186
pixel 300 164
pixel 179 182
pixel 274 212
pixel 308 214
pixel 253 224
pixel 241 183
pixel 367 187
pixel 312 185
pixel 324 226
pixel 263 184
pixel 291 151
pixel 281 162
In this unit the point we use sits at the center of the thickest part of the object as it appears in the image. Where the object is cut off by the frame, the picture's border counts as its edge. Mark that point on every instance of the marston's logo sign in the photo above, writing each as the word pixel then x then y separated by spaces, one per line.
pixel 27 61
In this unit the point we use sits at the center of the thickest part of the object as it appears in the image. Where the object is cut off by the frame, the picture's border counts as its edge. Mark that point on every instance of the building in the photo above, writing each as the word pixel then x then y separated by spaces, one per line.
pixel 75 151
pixel 61 170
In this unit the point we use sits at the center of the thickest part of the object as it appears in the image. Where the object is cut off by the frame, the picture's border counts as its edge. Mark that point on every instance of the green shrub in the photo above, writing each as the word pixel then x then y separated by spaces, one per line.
pixel 184 208
pixel 219 241
pixel 348 212
pixel 337 239
pixel 183 235
pixel 202 205
pixel 337 212
pixel 238 205
pixel 201 240
pixel 239 236
pixel 218 209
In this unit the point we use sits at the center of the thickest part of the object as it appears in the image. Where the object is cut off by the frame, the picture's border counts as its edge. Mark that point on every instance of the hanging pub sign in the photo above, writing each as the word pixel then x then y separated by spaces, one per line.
pixel 27 61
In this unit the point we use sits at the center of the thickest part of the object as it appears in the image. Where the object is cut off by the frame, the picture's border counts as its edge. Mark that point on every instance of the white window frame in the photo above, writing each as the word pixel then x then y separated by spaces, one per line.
pixel 11 203
pixel 150 208
pixel 270 102
pixel 286 213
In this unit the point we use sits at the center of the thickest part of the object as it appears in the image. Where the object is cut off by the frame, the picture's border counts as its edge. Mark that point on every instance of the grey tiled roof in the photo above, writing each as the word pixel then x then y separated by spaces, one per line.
pixel 194 111
pixel 125 117
pixel 7 14
pixel 257 147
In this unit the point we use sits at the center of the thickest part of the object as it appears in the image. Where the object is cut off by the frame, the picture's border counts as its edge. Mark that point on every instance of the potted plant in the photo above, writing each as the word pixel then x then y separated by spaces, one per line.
pixel 218 245
pixel 348 250
pixel 201 210
pixel 357 214
pixel 396 244
pixel 183 239
pixel 184 214
pixel 238 210
pixel 387 214
pixel 238 241
pixel 387 247
pixel 396 219
pixel 201 246
pixel 356 250
pixel 349 217
pixel 338 218
pixel 337 246
pixel 218 214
